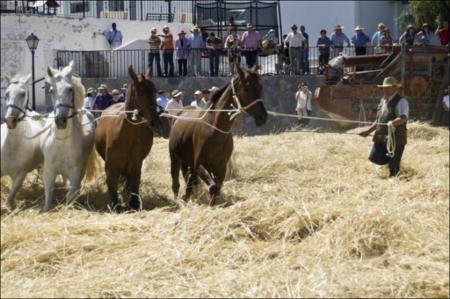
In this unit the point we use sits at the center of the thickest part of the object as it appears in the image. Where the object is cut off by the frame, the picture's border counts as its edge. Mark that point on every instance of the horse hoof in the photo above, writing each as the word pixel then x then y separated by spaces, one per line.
pixel 214 190
pixel 185 198
pixel 135 203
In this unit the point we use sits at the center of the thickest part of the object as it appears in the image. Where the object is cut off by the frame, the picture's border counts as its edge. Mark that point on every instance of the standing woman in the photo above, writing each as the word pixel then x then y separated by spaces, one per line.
pixel 303 98
pixel 233 45
pixel 408 37
pixel 182 48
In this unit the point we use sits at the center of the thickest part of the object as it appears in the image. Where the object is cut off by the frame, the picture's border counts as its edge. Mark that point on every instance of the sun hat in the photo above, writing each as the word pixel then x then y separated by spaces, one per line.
pixel 338 27
pixel 358 27
pixel 103 87
pixel 409 26
pixel 195 28
pixel 90 90
pixel 390 82
pixel 213 89
pixel 153 30
pixel 124 86
pixel 115 92
pixel 198 92
pixel 425 25
pixel 249 26
pixel 166 27
pixel 176 93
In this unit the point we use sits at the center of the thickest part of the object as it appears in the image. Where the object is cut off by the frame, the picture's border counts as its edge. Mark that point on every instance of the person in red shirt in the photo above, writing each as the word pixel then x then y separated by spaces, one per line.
pixel 443 33
pixel 168 49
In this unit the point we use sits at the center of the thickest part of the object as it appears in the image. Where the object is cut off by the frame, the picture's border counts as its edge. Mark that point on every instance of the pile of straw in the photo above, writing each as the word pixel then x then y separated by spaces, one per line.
pixel 302 214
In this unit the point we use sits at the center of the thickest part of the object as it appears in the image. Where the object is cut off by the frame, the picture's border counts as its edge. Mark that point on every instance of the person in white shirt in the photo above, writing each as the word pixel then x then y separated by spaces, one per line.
pixel 90 98
pixel 303 98
pixel 175 105
pixel 198 102
pixel 161 101
pixel 294 41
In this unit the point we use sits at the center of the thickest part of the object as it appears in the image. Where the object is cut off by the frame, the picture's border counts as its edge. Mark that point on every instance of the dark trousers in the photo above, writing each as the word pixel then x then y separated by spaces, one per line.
pixel 251 58
pixel 155 56
pixel 182 67
pixel 214 56
pixel 305 61
pixel 168 63
pixel 360 51
pixel 378 156
pixel 323 60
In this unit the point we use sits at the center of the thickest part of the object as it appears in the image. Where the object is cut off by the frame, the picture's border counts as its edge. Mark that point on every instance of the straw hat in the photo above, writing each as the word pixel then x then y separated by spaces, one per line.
pixel 409 26
pixel 198 92
pixel 103 87
pixel 338 27
pixel 176 93
pixel 124 87
pixel 213 89
pixel 115 92
pixel 90 90
pixel 195 29
pixel 358 27
pixel 425 25
pixel 166 27
pixel 153 30
pixel 249 26
pixel 390 82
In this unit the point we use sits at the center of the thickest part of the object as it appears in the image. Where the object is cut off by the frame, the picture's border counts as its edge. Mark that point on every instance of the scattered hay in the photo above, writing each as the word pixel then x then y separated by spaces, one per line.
pixel 306 216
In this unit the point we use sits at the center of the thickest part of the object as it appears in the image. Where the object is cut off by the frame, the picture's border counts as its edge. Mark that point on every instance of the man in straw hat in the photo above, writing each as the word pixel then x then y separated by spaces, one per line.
pixel 175 104
pixel 295 41
pixel 250 40
pixel 154 42
pixel 103 99
pixel 360 40
pixel 196 45
pixel 337 40
pixel 90 98
pixel 393 110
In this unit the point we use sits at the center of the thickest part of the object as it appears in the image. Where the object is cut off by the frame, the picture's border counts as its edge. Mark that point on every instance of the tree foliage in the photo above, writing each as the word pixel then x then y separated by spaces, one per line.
pixel 428 11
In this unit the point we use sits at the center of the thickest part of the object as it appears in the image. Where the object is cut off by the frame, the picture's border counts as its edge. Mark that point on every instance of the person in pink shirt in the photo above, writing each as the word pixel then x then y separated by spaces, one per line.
pixel 250 40
pixel 443 33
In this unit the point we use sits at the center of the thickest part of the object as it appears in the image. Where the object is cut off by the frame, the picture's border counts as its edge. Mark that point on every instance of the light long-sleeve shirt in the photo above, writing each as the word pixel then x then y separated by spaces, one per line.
pixel 295 39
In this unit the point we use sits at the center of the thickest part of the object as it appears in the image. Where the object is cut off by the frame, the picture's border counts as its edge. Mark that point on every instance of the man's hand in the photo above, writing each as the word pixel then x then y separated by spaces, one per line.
pixel 364 133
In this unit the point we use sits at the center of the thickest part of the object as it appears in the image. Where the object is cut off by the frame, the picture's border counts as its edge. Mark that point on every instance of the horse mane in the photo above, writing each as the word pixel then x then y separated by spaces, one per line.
pixel 218 94
pixel 78 92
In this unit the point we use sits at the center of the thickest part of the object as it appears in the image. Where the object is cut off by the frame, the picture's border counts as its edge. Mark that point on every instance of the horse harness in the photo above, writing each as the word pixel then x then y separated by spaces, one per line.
pixel 239 109
pixel 27 108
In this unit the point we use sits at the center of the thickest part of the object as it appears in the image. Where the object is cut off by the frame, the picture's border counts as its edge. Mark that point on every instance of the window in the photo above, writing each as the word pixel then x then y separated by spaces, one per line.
pixel 77 7
pixel 116 5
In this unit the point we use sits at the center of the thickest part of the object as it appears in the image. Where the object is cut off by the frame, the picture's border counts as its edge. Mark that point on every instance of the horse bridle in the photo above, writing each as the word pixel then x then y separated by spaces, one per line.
pixel 239 108
pixel 71 106
pixel 24 113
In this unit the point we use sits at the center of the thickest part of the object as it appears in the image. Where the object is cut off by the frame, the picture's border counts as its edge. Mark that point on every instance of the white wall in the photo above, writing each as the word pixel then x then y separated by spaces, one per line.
pixel 317 15
pixel 59 33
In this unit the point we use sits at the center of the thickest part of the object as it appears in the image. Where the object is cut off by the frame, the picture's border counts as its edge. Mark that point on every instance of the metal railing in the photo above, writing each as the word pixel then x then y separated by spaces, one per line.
pixel 114 63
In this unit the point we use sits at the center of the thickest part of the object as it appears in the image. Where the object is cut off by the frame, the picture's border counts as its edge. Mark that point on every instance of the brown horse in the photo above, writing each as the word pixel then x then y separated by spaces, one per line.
pixel 124 142
pixel 201 150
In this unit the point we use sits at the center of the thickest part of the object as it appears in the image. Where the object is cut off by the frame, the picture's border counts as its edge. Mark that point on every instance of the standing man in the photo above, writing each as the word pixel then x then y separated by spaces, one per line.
pixel 337 40
pixel 214 46
pixel 250 40
pixel 167 47
pixel 360 41
pixel 294 41
pixel 195 54
pixel 305 56
pixel 377 36
pixel 114 36
pixel 303 98
pixel 182 48
pixel 198 102
pixel 175 104
pixel 154 43
pixel 103 99
pixel 393 110
pixel 323 43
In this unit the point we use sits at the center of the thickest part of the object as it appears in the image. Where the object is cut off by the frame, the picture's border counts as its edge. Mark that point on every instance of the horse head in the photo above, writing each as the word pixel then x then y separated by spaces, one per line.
pixel 141 95
pixel 16 96
pixel 63 93
pixel 248 89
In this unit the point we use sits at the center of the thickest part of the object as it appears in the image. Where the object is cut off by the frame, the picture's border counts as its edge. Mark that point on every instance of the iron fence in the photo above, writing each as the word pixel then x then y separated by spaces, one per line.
pixel 114 63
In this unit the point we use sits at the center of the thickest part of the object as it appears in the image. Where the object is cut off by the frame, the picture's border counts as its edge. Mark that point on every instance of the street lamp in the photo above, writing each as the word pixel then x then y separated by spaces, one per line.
pixel 32 42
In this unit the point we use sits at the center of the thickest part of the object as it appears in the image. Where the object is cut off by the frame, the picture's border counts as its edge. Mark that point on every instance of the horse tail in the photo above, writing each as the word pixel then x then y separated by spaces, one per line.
pixel 93 166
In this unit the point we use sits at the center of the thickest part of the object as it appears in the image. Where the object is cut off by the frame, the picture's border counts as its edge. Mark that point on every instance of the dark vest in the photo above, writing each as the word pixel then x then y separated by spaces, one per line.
pixel 385 116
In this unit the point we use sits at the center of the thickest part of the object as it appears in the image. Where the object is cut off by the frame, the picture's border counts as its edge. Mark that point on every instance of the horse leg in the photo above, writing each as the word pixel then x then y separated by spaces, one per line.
pixel 219 176
pixel 112 180
pixel 75 182
pixel 49 184
pixel 208 178
pixel 175 165
pixel 132 186
pixel 191 180
pixel 14 188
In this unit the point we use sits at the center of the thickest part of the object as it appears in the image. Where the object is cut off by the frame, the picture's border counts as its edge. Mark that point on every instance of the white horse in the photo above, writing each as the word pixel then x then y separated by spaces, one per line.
pixel 20 136
pixel 68 145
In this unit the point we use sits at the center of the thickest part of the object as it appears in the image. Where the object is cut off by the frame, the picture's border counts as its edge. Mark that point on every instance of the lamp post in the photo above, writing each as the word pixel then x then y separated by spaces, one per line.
pixel 32 42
